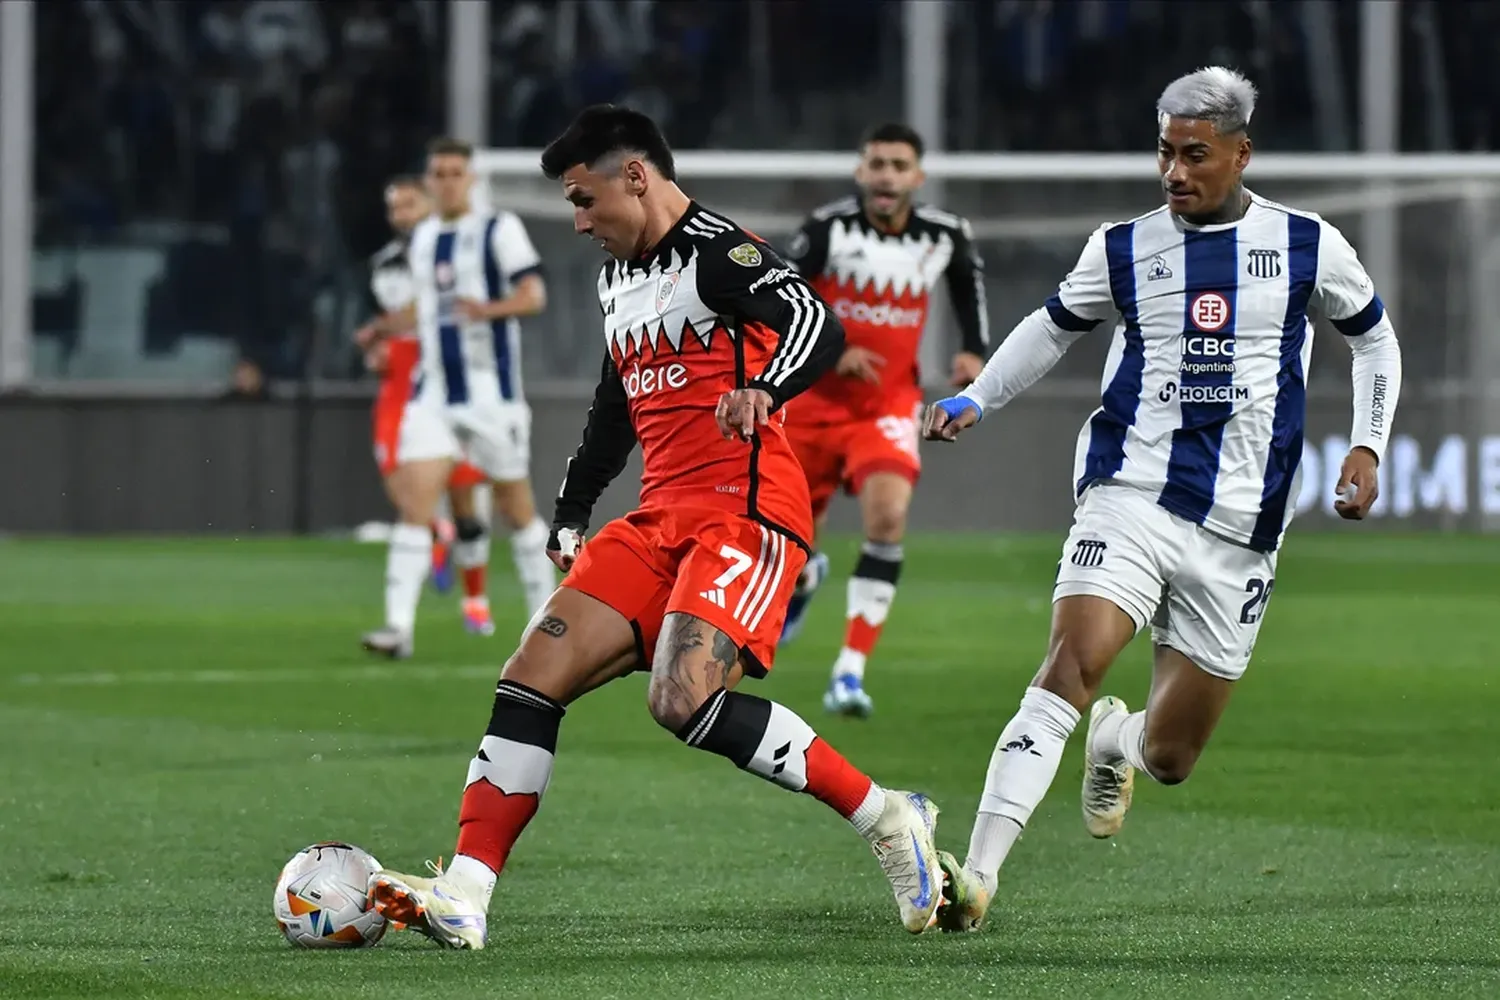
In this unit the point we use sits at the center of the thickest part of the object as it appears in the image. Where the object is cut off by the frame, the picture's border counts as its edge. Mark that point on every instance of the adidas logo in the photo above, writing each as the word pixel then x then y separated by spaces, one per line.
pixel 714 596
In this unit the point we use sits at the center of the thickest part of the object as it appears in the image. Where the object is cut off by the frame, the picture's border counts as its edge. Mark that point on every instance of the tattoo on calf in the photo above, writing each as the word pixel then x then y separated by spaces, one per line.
pixel 553 626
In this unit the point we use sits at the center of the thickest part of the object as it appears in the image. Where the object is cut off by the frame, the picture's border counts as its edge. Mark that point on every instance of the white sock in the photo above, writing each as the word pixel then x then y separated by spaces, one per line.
pixel 869 599
pixel 1021 770
pixel 476 878
pixel 407 561
pixel 528 547
pixel 850 662
pixel 869 812
pixel 1122 737
pixel 467 555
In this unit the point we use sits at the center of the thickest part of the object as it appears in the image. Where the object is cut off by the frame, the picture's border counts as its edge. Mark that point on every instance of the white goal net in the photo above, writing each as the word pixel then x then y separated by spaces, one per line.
pixel 1428 228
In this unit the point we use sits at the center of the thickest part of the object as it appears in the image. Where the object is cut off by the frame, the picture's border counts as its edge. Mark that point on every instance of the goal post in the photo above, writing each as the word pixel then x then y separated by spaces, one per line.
pixel 1031 213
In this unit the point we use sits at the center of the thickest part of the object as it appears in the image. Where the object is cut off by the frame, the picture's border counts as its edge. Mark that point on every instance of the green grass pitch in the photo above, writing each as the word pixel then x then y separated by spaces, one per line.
pixel 180 717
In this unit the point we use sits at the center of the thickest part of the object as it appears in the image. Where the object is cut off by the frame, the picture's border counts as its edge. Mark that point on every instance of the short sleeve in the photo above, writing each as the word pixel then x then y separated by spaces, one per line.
pixel 1345 294
pixel 513 247
pixel 392 288
pixel 1083 300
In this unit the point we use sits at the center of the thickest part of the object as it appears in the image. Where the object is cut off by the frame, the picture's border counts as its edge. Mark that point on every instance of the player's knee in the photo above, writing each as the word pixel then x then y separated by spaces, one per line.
pixel 468 529
pixel 665 702
pixel 1170 763
pixel 886 524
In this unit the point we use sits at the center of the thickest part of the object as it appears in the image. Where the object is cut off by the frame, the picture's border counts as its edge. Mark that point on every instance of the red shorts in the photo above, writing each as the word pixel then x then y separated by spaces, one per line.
pixel 846 454
pixel 732 572
pixel 389 409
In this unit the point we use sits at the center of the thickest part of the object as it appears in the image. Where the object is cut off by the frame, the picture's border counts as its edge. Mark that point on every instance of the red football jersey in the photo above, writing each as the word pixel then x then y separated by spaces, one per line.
pixel 879 284
pixel 710 309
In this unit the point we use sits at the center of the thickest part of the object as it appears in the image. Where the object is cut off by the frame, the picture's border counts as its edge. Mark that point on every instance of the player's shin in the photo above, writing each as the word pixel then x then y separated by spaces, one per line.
pixel 507 777
pixel 407 560
pixel 773 742
pixel 872 588
pixel 528 547
pixel 1021 770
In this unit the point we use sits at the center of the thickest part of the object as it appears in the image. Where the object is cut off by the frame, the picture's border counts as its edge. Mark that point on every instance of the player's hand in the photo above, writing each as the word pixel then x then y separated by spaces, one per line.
pixel 740 412
pixel 563 546
pixel 472 310
pixel 861 363
pixel 366 336
pixel 377 356
pixel 966 368
pixel 1359 485
pixel 947 418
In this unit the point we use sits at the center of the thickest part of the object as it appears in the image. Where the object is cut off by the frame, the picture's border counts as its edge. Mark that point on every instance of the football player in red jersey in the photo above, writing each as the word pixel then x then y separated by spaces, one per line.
pixel 392 351
pixel 707 334
pixel 876 259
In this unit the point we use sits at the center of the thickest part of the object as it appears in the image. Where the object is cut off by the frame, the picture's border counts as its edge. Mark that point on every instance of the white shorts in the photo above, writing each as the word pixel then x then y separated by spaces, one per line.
pixel 494 437
pixel 1204 596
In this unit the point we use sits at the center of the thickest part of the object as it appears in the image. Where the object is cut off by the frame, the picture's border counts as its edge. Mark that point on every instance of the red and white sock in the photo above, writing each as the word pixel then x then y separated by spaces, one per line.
pixel 507 777
pixel 772 741
pixel 872 588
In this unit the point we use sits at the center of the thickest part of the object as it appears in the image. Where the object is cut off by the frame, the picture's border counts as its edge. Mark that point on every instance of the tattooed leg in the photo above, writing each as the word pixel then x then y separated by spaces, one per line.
pixel 696 665
pixel 575 644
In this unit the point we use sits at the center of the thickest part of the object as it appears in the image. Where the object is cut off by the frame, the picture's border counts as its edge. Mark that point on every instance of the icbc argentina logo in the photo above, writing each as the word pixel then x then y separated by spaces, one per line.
pixel 1209 312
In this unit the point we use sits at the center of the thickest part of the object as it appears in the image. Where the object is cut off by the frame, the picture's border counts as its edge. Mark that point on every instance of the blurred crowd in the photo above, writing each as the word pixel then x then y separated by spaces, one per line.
pixel 248 140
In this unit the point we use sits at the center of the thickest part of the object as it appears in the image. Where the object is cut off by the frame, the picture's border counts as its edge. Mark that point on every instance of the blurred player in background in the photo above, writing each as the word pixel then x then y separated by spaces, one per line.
pixel 474 274
pixel 707 335
pixel 393 352
pixel 1188 472
pixel 876 258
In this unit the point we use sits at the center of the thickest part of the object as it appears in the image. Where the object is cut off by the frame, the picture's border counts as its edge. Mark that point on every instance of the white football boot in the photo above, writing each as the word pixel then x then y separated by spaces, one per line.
pixel 389 642
pixel 902 842
pixel 437 907
pixel 1107 788
pixel 846 696
pixel 966 897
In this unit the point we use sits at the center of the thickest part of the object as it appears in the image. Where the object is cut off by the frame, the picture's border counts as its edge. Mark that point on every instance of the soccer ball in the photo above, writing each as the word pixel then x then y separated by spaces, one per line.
pixel 320 898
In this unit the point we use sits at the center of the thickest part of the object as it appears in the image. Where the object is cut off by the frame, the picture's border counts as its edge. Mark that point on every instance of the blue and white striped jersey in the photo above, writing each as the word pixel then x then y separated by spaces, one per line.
pixel 478 256
pixel 1203 395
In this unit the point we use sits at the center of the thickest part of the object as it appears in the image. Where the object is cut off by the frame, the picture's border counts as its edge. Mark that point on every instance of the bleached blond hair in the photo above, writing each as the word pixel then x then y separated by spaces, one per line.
pixel 1213 94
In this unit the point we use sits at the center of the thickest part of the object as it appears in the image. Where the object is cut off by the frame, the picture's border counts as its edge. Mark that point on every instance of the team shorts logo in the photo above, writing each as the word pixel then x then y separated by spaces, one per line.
pixel 1210 312
pixel 1088 553
pixel 1264 263
pixel 746 255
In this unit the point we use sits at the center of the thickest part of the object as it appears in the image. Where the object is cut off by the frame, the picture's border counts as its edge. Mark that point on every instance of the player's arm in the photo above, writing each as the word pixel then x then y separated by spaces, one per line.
pixel 749 282
pixel 965 277
pixel 1038 342
pixel 1347 297
pixel 516 256
pixel 807 249
pixel 608 439
pixel 396 307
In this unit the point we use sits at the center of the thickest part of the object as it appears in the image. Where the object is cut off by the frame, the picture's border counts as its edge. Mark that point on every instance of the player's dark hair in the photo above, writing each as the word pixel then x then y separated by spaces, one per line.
pixel 448 146
pixel 893 132
pixel 406 181
pixel 603 129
